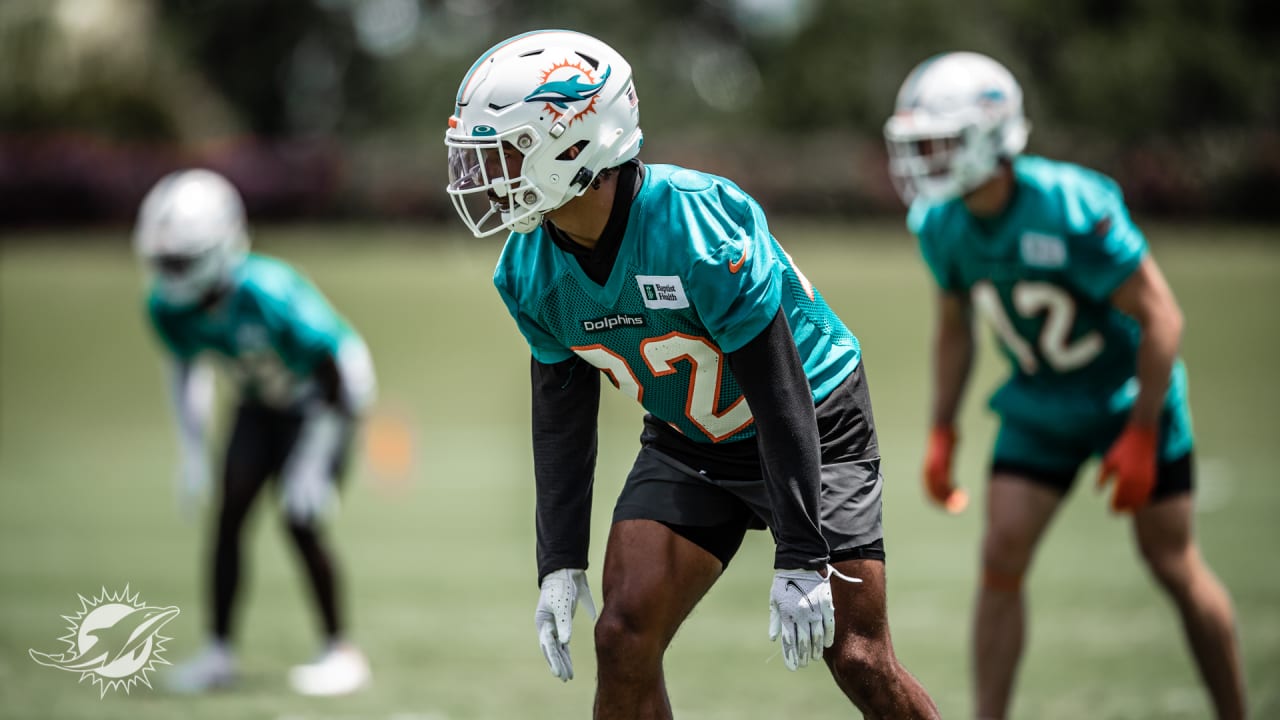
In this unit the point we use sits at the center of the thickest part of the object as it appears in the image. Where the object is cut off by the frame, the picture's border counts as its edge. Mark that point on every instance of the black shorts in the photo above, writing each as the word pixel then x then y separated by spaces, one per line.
pixel 712 494
pixel 1175 477
pixel 261 440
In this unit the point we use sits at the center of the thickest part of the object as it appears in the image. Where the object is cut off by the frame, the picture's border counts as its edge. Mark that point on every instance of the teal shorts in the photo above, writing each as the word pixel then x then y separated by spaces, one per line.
pixel 1053 457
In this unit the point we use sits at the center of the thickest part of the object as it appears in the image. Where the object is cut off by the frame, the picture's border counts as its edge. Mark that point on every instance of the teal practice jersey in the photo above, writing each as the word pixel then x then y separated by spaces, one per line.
pixel 1042 275
pixel 697 275
pixel 272 328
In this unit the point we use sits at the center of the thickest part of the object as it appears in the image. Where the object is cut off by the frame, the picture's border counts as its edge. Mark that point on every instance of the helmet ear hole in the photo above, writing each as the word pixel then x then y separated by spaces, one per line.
pixel 573 150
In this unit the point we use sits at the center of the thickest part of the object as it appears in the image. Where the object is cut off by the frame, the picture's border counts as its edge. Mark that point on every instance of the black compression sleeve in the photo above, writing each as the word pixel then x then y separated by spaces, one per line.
pixel 566 403
pixel 774 382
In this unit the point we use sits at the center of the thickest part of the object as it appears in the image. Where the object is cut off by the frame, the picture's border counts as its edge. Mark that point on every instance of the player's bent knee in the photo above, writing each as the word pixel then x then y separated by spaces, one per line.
pixel 302 529
pixel 861 662
pixel 623 638
pixel 1006 553
pixel 1000 581
pixel 1171 567
pixel 230 522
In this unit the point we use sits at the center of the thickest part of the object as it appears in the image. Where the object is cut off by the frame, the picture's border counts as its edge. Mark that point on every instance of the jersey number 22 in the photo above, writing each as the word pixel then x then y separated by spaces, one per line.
pixel 706 368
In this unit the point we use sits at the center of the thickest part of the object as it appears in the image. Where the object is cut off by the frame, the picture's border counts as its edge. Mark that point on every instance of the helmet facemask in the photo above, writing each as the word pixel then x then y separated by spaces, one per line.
pixel 186 279
pixel 940 163
pixel 487 184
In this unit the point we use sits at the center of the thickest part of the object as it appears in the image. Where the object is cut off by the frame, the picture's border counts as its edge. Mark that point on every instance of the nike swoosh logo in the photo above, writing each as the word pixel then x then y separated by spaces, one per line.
pixel 792 584
pixel 736 265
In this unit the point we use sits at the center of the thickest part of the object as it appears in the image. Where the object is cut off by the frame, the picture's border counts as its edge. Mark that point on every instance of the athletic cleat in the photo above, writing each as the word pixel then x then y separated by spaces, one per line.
pixel 213 668
pixel 340 670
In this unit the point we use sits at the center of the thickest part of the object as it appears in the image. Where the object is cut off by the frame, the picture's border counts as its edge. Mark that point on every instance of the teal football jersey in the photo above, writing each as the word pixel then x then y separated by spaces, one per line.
pixel 1042 274
pixel 698 275
pixel 272 328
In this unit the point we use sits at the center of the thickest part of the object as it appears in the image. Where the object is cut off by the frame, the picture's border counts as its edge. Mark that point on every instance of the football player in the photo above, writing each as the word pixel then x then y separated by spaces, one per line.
pixel 1046 252
pixel 303 376
pixel 668 283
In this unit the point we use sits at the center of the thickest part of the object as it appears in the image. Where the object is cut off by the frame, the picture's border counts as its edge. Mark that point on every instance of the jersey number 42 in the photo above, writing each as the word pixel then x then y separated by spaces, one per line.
pixel 1030 299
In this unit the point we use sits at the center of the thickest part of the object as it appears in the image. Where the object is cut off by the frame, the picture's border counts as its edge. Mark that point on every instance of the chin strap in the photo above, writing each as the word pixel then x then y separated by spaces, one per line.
pixel 527 224
pixel 582 179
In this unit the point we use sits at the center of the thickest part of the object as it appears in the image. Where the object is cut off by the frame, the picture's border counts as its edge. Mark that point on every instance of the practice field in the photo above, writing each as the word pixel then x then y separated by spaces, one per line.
pixel 439 560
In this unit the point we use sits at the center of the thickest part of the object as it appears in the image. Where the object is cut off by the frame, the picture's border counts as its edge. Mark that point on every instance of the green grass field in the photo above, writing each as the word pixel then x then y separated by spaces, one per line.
pixel 441 584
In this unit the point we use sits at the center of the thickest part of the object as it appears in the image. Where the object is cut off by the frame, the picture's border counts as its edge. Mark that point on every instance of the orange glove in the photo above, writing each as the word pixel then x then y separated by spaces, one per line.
pixel 937 471
pixel 1132 462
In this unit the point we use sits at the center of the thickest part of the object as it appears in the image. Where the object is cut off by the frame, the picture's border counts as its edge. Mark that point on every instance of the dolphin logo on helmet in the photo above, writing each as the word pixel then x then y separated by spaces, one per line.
pixel 562 92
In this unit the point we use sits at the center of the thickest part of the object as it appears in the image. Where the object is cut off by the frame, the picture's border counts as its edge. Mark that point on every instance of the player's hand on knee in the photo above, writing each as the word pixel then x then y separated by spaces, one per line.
pixel 308 471
pixel 1131 462
pixel 308 490
pixel 937 471
pixel 308 493
pixel 803 614
pixel 558 599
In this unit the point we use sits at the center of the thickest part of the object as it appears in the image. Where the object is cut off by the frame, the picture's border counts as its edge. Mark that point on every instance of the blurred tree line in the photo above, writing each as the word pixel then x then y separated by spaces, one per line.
pixel 336 108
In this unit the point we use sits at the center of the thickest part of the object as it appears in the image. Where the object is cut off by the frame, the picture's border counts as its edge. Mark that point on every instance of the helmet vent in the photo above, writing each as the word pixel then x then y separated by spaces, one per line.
pixel 594 63
pixel 531 53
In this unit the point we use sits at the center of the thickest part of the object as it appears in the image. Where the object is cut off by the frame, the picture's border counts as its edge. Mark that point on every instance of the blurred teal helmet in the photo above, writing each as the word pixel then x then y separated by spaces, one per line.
pixel 957 115
pixel 191 234
pixel 537 117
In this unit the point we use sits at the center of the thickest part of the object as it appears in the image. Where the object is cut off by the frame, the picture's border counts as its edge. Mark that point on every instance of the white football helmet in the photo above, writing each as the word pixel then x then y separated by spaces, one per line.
pixel 191 233
pixel 521 109
pixel 956 116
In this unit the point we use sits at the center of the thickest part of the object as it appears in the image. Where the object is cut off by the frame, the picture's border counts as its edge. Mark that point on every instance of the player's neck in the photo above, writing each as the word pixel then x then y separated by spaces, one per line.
pixel 583 218
pixel 990 199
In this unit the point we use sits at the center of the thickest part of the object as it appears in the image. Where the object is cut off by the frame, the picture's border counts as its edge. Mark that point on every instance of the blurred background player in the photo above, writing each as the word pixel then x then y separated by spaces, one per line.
pixel 1046 251
pixel 669 282
pixel 304 376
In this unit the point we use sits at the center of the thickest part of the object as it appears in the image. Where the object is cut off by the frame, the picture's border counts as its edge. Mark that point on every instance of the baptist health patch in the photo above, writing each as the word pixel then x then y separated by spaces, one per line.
pixel 1043 251
pixel 662 292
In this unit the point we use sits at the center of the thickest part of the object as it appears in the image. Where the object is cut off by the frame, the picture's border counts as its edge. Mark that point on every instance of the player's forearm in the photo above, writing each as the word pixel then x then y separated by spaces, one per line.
pixel 565 404
pixel 773 381
pixel 952 363
pixel 1157 352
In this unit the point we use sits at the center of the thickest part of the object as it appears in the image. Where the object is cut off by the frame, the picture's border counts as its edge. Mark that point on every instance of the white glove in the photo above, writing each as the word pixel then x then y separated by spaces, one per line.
pixel 192 483
pixel 802 612
pixel 561 591
pixel 308 487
